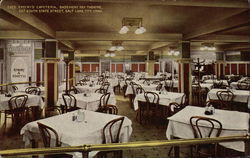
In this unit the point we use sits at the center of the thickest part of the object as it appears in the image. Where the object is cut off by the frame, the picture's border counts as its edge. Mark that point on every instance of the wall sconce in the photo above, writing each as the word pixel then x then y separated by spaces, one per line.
pixel 207 46
pixel 130 22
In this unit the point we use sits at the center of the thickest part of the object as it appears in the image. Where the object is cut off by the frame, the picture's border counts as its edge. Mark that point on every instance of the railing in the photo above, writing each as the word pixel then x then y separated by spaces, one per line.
pixel 125 146
pixel 15 83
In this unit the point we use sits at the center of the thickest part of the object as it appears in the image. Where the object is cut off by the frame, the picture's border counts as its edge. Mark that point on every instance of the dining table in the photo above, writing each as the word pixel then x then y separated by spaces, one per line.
pixel 73 132
pixel 234 85
pixel 165 98
pixel 145 86
pixel 91 88
pixel 88 102
pixel 242 96
pixel 33 101
pixel 233 123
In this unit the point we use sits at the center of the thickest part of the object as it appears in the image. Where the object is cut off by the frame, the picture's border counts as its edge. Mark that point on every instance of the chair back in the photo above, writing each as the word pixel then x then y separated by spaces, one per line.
pixel 101 91
pixel 69 102
pixel 73 90
pixel 151 97
pixel 48 134
pixel 109 109
pixel 159 87
pixel 225 96
pixel 33 90
pixel 17 102
pixel 105 85
pixel 14 88
pixel 169 85
pixel 243 86
pixel 213 127
pixel 139 90
pixel 111 131
pixel 104 99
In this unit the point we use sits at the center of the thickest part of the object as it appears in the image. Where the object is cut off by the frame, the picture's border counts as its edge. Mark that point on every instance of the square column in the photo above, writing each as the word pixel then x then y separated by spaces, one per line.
pixel 51 72
pixel 185 77
pixel 150 64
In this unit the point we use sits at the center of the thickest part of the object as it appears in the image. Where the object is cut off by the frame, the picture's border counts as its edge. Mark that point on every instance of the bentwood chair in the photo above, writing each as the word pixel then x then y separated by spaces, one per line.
pixel 18 112
pixel 70 103
pixel 169 85
pixel 159 87
pixel 101 91
pixel 111 134
pixel 47 134
pixel 73 90
pixel 33 90
pixel 149 110
pixel 103 101
pixel 213 129
pixel 225 98
pixel 243 86
pixel 14 88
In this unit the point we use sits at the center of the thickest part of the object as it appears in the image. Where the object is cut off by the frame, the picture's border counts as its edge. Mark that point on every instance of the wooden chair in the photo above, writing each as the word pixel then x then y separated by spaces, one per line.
pixel 48 134
pixel 169 85
pixel 105 86
pixel 109 109
pixel 73 90
pixel 149 109
pixel 213 129
pixel 111 134
pixel 14 88
pixel 159 87
pixel 225 98
pixel 243 86
pixel 70 103
pixel 101 91
pixel 18 111
pixel 33 90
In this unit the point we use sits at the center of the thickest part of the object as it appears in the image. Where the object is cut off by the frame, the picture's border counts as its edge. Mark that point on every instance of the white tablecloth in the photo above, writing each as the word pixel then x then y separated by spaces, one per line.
pixel 165 99
pixel 33 100
pixel 73 133
pixel 224 82
pixel 88 102
pixel 209 86
pixel 233 123
pixel 234 85
pixel 241 96
pixel 88 89
pixel 151 87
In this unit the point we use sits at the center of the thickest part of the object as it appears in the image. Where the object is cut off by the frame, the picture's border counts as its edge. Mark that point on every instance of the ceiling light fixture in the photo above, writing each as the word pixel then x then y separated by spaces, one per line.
pixel 173 51
pixel 130 22
pixel 109 54
pixel 116 46
pixel 207 46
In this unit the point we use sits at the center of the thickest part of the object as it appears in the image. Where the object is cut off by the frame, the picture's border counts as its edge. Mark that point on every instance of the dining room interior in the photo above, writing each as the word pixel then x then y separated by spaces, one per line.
pixel 127 78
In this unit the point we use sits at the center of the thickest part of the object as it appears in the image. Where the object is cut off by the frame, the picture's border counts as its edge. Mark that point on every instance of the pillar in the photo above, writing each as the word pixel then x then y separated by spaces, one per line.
pixel 71 69
pixel 185 78
pixel 51 72
pixel 150 63
pixel 219 65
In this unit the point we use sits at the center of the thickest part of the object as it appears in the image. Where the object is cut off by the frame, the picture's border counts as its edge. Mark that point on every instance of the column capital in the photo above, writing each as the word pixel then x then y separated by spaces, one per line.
pixel 51 60
pixel 184 60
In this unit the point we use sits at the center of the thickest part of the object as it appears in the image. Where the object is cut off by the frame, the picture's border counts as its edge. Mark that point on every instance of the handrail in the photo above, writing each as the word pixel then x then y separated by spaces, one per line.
pixel 12 83
pixel 123 146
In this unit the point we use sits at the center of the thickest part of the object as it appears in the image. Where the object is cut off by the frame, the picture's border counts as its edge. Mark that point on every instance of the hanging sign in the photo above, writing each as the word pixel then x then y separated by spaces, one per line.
pixel 19 70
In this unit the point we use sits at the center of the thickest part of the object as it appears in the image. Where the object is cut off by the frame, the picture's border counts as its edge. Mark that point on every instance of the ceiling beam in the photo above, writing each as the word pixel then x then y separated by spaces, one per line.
pixel 19 35
pixel 106 47
pixel 195 3
pixel 88 36
pixel 232 22
pixel 28 22
pixel 223 38
pixel 237 46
